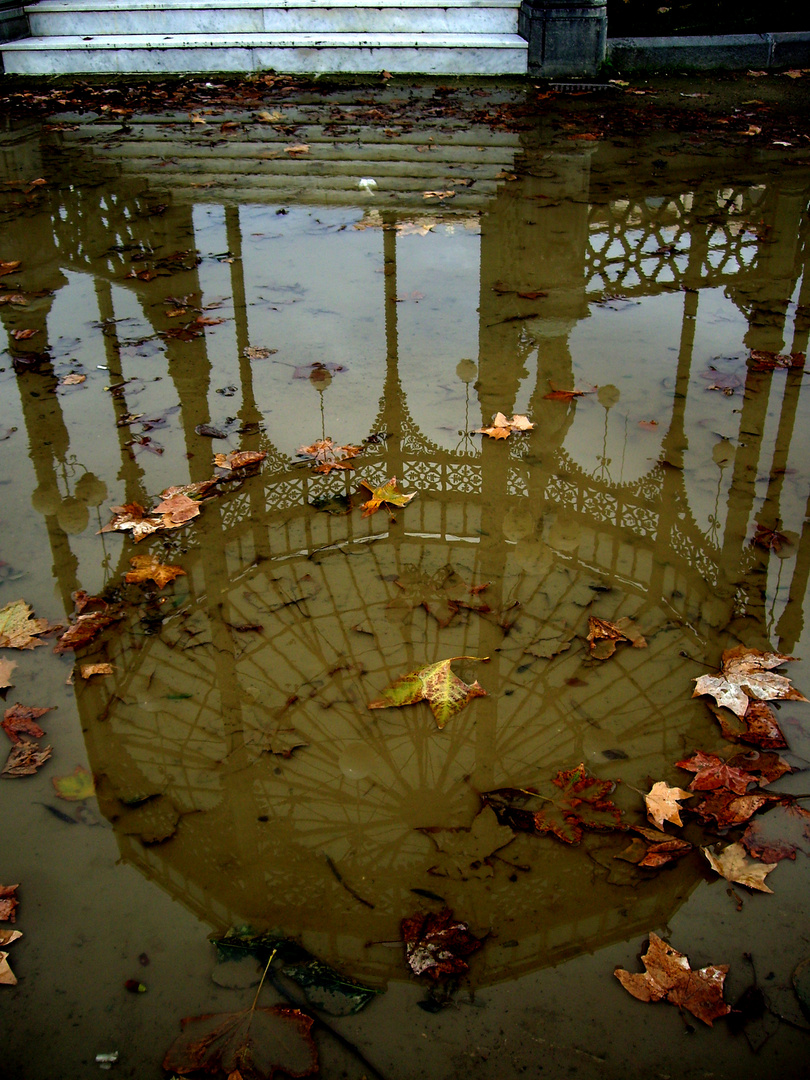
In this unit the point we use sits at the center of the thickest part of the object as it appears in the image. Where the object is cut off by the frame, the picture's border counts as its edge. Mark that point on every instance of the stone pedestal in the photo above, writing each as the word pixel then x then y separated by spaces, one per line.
pixel 566 37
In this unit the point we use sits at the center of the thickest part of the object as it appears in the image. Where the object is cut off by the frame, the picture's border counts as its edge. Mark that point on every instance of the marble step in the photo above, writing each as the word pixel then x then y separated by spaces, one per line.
pixel 78 18
pixel 301 54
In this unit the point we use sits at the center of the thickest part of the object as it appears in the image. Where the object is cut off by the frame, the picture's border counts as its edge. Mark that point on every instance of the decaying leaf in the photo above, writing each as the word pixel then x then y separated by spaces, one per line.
pixel 258 352
pixel 132 517
pixel 88 670
pixel 733 865
pixel 76 786
pixel 747 673
pixel 7 937
pixel 25 758
pixel 711 772
pixel 88 624
pixel 252 1044
pixel 762 360
pixel 668 975
pixel 468 851
pixel 8 903
pixel 728 809
pixel 239 459
pixel 759 726
pixel 6 669
pixel 23 719
pixel 437 684
pixel 769 539
pixel 435 945
pixel 327 455
pixel 580 802
pixel 387 494
pixel 442 594
pixel 147 568
pixel 662 803
pixel 18 627
pixel 779 833
pixel 566 395
pixel 502 428
pixel 176 510
pixel 604 636
pixel 653 848
pixel 196 491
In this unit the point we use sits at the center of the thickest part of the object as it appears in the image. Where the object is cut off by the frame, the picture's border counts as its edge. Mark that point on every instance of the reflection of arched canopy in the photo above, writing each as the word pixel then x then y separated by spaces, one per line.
pixel 284 631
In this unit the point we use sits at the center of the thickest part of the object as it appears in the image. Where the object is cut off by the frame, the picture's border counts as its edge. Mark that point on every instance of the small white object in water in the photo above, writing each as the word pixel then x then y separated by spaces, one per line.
pixel 106 1061
pixel 367 184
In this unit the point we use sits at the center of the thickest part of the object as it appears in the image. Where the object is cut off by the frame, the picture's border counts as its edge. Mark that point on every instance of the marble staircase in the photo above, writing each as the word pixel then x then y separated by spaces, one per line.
pixel 461 37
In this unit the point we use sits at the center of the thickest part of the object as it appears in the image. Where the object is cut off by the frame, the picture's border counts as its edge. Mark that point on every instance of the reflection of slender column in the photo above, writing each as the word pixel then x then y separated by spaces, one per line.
pixel 392 412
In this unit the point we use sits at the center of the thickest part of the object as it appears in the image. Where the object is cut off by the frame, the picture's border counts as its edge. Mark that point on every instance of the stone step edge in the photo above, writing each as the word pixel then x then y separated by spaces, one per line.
pixel 271 41
pixel 63 6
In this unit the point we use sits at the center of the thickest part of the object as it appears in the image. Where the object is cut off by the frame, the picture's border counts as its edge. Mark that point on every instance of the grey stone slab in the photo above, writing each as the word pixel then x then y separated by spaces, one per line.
pixel 701 53
pixel 13 22
pixel 791 50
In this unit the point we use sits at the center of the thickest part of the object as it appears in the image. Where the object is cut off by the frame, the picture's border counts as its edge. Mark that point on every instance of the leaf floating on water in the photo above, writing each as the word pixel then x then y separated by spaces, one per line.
pixel 747 673
pixel 436 945
pixel 566 395
pixel 132 517
pixel 762 360
pixel 327 455
pixel 25 758
pixel 655 849
pixel 502 428
pixel 8 903
pixel 779 833
pixel 18 627
pixel 252 1044
pixel 733 865
pixel 669 976
pixel 662 803
pixel 728 809
pixel 468 851
pixel 23 718
pixel 88 624
pixel 760 726
pixel 437 684
pixel 769 539
pixel 239 459
pixel 6 669
pixel 88 670
pixel 604 636
pixel 176 510
pixel 147 568
pixel 7 976
pixel 580 802
pixel 75 787
pixel 442 594
pixel 387 494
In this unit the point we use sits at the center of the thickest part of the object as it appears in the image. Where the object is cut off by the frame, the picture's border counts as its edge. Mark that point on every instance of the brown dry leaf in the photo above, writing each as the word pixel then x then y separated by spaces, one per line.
pixel 656 849
pixel 132 517
pixel 147 568
pixel 88 623
pixel 9 267
pixel 662 803
pixel 196 491
pixel 177 510
pixel 728 809
pixel 7 976
pixel 779 834
pixel 25 758
pixel 239 459
pixel 566 395
pixel 770 361
pixel 23 335
pixel 8 903
pixel 733 865
pixel 328 455
pixel 72 380
pixel 501 428
pixel 298 150
pixel 711 772
pixel 604 636
pixel 18 627
pixel 23 719
pixel 89 670
pixel 668 975
pixel 747 673
pixel 760 726
pixel 436 944
pixel 6 668
pixel 438 194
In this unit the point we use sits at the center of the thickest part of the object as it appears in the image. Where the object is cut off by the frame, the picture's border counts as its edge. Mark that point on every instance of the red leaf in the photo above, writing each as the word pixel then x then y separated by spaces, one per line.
pixel 435 945
pixel 22 718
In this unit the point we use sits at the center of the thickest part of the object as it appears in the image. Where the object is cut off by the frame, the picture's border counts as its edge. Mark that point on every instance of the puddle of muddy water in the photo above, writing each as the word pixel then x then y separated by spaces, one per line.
pixel 231 283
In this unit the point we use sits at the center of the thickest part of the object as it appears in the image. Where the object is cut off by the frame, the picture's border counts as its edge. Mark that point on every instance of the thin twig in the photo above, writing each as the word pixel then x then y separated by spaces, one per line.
pixel 348 888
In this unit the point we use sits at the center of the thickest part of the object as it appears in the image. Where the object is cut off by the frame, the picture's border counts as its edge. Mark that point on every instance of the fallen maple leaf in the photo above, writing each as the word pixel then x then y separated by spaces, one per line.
pixel 603 636
pixel 23 718
pixel 176 510
pixel 8 902
pixel 581 802
pixel 565 395
pixel 654 849
pixel 747 673
pixel 25 758
pixel 442 594
pixel 9 267
pixel 328 455
pixel 668 975
pixel 23 335
pixel 252 1044
pixel 444 691
pixel 88 626
pixel 197 491
pixel 769 361
pixel 662 803
pixel 779 834
pixel 76 786
pixel 388 494
pixel 239 459
pixel 435 944
pixel 132 517
pixel 732 864
pixel 760 726
pixel 769 539
pixel 147 568
pixel 19 628
pixel 728 809
pixel 72 380
pixel 501 428
pixel 7 976
pixel 712 772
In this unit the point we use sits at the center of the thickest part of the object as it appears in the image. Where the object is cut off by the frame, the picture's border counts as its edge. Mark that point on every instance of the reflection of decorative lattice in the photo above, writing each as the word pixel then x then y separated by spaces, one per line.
pixel 424 475
pixel 465 477
pixel 640 519
pixel 516 483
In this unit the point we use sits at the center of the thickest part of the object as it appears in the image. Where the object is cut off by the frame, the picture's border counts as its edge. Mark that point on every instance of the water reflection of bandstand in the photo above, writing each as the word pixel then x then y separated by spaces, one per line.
pixel 260 838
